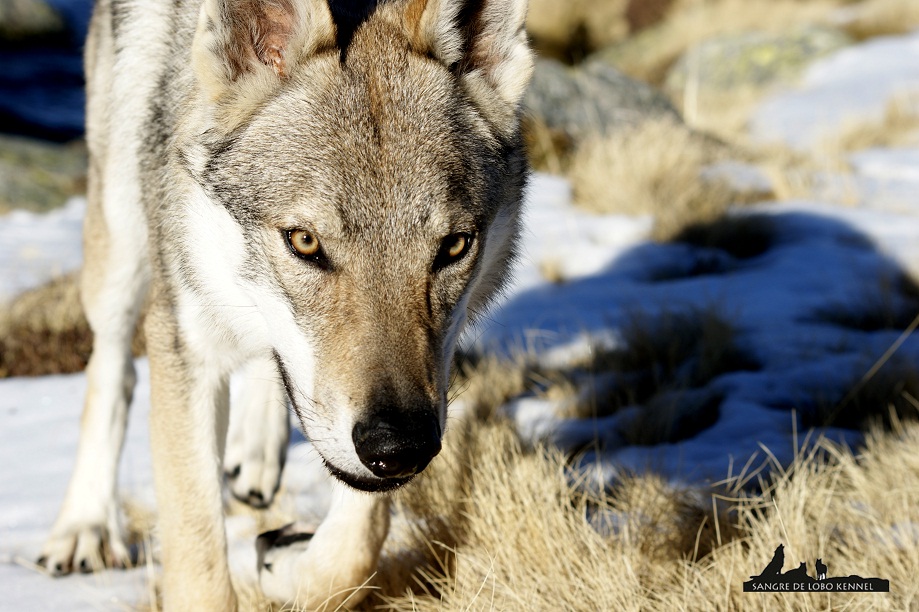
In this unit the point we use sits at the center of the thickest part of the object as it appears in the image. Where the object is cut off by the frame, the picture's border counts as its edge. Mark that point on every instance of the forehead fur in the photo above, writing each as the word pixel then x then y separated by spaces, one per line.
pixel 386 132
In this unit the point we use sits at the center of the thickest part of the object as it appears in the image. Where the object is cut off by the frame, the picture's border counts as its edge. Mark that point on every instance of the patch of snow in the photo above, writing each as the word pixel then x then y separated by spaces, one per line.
pixel 741 177
pixel 34 248
pixel 856 83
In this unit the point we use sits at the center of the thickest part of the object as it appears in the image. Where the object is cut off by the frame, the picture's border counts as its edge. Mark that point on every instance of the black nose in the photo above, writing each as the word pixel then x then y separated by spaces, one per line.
pixel 393 444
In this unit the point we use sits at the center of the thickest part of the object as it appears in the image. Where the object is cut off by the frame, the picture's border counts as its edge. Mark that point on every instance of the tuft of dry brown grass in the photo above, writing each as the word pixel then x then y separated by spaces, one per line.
pixel 526 543
pixel 872 18
pixel 44 331
pixel 570 30
pixel 653 168
pixel 548 150
pixel 898 126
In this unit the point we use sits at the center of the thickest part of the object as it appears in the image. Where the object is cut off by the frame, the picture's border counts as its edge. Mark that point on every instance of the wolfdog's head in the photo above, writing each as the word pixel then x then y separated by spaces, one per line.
pixel 372 161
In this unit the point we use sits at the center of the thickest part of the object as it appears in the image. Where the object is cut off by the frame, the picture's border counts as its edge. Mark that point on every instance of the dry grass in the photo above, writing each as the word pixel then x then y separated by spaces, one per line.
pixel 653 168
pixel 571 30
pixel 44 331
pixel 899 126
pixel 882 17
pixel 548 150
pixel 525 542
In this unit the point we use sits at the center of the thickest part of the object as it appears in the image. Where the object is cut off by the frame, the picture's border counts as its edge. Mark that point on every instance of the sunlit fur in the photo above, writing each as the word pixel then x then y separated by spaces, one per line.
pixel 214 130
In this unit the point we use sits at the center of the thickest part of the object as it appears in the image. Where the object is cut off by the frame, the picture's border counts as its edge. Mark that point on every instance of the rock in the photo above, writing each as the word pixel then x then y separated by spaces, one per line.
pixel 23 19
pixel 752 60
pixel 592 99
pixel 39 176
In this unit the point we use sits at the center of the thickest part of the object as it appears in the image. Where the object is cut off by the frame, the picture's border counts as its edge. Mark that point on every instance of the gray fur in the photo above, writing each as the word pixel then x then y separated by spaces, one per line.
pixel 233 124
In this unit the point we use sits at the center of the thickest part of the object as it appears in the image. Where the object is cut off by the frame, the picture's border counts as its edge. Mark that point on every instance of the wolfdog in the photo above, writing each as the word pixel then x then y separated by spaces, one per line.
pixel 322 191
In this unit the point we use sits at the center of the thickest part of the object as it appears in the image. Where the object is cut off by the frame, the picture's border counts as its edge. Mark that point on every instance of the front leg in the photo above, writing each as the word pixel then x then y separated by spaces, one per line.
pixel 329 570
pixel 187 425
pixel 258 436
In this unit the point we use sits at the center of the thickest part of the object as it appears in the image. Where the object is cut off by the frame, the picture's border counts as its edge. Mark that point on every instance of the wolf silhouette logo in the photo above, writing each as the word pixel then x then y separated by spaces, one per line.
pixel 821 570
pixel 773 580
pixel 775 566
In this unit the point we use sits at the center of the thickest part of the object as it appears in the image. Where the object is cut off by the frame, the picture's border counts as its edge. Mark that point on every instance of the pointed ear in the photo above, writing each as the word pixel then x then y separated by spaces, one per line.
pixel 239 38
pixel 483 40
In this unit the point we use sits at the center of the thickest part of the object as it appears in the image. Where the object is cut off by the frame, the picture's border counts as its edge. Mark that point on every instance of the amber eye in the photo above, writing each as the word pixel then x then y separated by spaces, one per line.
pixel 457 245
pixel 305 245
pixel 304 242
pixel 453 248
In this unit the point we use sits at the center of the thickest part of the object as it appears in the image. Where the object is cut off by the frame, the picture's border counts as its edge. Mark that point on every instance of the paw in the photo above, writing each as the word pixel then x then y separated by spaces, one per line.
pixel 331 565
pixel 296 568
pixel 255 478
pixel 291 539
pixel 278 552
pixel 84 549
pixel 258 434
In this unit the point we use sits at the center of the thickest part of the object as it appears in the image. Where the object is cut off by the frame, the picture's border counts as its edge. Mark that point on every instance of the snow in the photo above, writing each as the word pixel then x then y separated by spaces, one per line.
pixel 825 256
pixel 854 83
pixel 34 248
pixel 39 419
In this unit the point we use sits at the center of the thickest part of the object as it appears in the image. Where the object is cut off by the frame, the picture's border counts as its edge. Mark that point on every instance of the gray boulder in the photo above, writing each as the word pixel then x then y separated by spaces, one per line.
pixel 752 60
pixel 594 98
